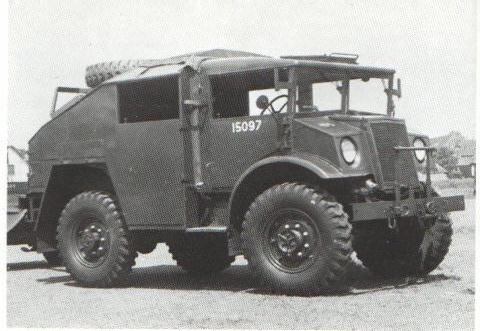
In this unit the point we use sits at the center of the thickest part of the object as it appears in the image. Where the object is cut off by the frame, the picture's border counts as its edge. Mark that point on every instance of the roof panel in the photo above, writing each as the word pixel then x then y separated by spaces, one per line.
pixel 223 61
pixel 238 64
pixel 142 73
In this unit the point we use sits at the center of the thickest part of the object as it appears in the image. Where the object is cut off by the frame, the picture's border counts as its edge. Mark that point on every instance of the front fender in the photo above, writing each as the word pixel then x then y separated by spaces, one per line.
pixel 319 166
pixel 253 181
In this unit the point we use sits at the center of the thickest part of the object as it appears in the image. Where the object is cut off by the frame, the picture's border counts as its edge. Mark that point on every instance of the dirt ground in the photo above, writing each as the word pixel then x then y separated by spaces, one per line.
pixel 160 295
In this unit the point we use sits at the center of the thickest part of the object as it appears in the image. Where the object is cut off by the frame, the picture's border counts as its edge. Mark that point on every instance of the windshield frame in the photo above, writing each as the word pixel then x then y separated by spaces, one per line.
pixel 298 80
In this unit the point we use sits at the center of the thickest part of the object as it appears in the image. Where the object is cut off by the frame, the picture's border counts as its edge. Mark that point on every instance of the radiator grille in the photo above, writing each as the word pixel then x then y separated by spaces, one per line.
pixel 386 136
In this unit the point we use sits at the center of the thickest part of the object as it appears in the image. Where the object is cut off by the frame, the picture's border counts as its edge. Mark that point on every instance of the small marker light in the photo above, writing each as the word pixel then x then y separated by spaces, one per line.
pixel 419 154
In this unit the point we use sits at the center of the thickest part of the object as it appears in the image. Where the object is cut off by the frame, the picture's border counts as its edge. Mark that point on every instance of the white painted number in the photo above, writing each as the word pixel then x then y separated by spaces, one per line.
pixel 246 126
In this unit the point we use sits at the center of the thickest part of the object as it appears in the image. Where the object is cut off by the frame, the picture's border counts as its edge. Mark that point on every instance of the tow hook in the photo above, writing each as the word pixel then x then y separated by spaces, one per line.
pixel 431 208
pixel 393 213
pixel 392 223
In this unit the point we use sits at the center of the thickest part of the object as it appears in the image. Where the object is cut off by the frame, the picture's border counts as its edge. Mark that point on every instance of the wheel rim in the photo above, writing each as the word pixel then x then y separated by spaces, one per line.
pixel 92 242
pixel 291 240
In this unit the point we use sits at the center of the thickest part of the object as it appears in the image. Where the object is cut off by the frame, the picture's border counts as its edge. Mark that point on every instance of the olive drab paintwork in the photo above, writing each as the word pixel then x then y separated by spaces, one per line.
pixel 192 171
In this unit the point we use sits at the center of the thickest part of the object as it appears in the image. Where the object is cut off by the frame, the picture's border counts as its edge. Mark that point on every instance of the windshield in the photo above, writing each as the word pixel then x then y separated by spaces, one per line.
pixel 363 96
pixel 348 89
pixel 308 89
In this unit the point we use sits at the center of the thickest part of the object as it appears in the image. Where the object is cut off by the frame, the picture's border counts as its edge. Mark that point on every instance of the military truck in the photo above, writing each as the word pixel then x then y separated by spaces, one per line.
pixel 226 153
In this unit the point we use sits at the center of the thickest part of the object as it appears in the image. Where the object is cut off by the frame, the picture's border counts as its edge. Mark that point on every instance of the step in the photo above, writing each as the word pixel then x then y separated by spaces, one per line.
pixel 207 229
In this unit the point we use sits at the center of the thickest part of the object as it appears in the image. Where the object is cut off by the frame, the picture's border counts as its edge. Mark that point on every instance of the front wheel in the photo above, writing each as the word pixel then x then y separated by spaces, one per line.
pixel 297 240
pixel 93 240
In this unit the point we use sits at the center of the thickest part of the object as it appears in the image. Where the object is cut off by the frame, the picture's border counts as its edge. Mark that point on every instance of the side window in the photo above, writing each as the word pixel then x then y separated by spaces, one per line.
pixel 11 169
pixel 150 100
pixel 235 95
pixel 271 94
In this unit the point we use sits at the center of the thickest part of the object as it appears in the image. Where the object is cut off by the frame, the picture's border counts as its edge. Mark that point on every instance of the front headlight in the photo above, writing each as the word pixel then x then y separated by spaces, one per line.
pixel 349 150
pixel 419 154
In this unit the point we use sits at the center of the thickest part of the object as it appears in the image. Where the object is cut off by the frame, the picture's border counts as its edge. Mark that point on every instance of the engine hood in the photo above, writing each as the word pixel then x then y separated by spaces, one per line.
pixel 329 126
pixel 322 136
pixel 375 137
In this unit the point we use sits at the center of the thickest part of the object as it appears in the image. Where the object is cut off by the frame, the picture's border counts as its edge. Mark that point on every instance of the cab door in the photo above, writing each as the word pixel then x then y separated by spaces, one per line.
pixel 236 144
pixel 238 134
pixel 146 161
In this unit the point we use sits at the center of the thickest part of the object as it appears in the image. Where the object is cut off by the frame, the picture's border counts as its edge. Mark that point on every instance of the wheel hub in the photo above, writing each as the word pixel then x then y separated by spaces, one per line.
pixel 92 241
pixel 289 240
pixel 293 239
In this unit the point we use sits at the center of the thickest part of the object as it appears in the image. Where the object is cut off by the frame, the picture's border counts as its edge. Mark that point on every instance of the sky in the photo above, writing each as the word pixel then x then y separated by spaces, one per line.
pixel 431 45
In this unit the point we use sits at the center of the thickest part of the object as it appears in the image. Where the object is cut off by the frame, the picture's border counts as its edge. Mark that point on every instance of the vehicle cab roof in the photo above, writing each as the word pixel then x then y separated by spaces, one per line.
pixel 222 62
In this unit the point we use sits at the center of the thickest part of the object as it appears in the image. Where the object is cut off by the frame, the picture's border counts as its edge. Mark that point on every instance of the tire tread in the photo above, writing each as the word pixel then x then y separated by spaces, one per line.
pixel 338 224
pixel 125 259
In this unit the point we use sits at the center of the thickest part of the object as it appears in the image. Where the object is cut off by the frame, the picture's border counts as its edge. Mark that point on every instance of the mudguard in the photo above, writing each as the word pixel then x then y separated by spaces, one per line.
pixel 19 229
pixel 14 217
pixel 315 164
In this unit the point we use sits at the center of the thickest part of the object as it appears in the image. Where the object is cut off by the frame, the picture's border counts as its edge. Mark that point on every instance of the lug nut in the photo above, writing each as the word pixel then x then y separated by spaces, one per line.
pixel 305 233
pixel 300 254
pixel 287 226
pixel 102 239
pixel 297 226
pixel 306 245
pixel 100 248
pixel 92 227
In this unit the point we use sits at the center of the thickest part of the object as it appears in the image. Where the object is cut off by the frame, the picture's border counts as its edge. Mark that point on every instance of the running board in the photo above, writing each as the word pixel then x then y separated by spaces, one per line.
pixel 207 229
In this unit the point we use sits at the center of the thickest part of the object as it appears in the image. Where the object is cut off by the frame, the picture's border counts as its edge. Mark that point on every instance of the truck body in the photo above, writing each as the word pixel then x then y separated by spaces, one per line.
pixel 183 149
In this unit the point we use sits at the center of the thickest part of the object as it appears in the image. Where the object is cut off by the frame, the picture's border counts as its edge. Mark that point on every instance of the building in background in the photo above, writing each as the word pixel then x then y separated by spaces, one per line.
pixel 17 172
pixel 466 160
pixel 464 151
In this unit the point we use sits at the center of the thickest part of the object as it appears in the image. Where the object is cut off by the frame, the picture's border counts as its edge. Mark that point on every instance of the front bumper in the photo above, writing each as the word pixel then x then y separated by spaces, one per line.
pixel 422 207
pixel 428 206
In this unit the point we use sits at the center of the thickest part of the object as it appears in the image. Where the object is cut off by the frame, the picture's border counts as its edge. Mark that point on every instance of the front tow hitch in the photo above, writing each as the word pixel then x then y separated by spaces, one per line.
pixel 421 207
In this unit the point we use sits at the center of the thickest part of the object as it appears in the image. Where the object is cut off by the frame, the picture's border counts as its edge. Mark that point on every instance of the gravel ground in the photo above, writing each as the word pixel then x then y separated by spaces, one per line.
pixel 160 295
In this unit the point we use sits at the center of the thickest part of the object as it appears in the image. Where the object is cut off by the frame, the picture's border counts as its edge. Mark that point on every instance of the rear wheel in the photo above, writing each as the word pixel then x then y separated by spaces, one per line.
pixel 93 240
pixel 296 240
pixel 203 255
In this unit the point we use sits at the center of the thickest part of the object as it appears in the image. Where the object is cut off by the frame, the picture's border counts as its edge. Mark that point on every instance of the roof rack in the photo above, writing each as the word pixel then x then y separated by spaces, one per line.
pixel 333 57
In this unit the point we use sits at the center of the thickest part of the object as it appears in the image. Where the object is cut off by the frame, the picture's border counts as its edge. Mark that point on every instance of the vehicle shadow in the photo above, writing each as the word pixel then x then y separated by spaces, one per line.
pixel 238 279
pixel 376 283
pixel 32 265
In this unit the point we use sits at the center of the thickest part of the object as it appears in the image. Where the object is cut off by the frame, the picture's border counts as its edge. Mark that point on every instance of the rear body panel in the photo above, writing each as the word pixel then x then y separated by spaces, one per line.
pixel 144 160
